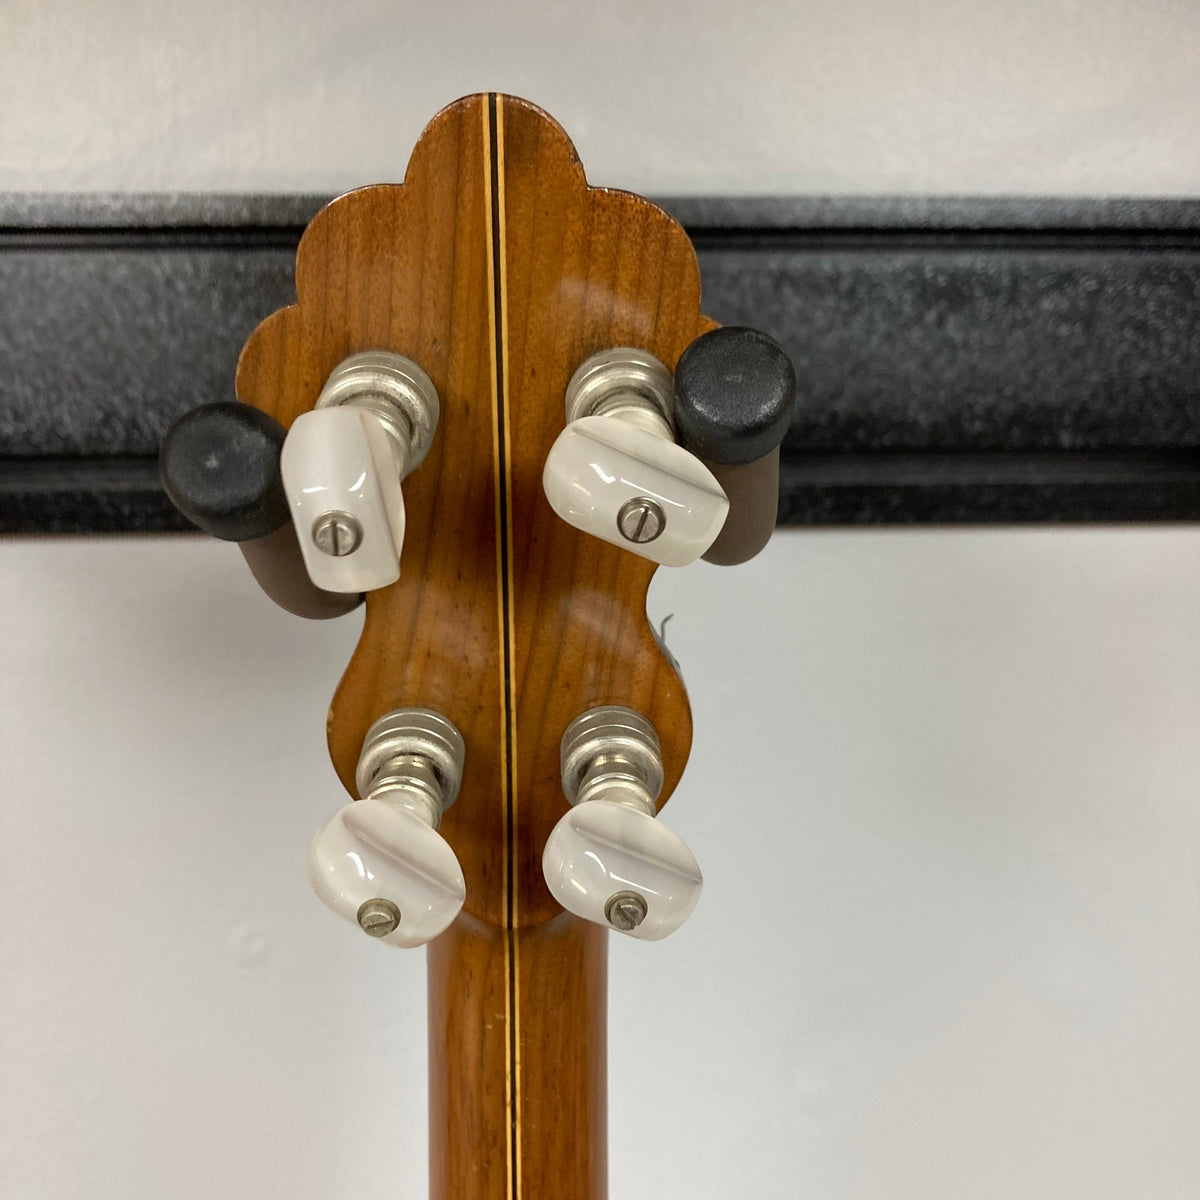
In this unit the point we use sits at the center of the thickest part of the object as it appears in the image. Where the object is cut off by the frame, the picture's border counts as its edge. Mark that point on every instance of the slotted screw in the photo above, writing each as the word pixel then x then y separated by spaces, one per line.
pixel 336 534
pixel 625 911
pixel 377 918
pixel 641 520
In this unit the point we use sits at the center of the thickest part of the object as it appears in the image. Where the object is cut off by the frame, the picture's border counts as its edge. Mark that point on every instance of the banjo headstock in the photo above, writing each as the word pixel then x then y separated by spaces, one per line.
pixel 501 337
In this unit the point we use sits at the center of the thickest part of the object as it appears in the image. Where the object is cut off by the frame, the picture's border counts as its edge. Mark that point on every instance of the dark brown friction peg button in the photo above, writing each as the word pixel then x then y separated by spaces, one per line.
pixel 734 393
pixel 219 465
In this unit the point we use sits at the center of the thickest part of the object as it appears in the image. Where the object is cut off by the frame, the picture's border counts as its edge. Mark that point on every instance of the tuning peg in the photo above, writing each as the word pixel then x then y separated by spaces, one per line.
pixel 609 860
pixel 380 861
pixel 343 463
pixel 615 470
pixel 734 393
pixel 219 466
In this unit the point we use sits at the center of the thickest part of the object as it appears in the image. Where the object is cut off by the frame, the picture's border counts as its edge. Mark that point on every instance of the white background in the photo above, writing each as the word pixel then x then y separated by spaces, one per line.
pixel 945 783
pixel 989 96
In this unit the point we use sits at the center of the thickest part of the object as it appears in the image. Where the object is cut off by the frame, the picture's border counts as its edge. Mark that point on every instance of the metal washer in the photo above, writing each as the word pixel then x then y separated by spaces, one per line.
pixel 396 390
pixel 419 731
pixel 616 731
pixel 624 377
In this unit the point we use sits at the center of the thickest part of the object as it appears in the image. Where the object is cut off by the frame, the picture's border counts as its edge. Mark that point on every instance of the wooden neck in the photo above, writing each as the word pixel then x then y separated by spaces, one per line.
pixel 517 1050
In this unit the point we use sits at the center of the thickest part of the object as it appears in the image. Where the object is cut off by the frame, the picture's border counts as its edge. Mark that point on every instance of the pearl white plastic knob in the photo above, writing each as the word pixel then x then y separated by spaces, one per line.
pixel 342 465
pixel 377 860
pixel 609 860
pixel 380 862
pixel 341 473
pixel 614 865
pixel 616 472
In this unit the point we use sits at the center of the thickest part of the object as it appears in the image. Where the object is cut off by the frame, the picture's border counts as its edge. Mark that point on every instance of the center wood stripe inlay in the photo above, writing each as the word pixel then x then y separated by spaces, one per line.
pixel 494 142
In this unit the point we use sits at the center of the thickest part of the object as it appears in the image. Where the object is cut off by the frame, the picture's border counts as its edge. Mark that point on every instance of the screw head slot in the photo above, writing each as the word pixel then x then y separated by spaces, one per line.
pixel 378 917
pixel 641 520
pixel 337 534
pixel 625 910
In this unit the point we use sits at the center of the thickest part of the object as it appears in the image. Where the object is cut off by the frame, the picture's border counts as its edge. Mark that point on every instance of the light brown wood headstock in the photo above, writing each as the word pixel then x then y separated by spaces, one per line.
pixel 497 269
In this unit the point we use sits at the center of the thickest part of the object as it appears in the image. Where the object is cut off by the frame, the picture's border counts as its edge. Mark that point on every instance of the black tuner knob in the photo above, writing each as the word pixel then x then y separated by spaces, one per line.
pixel 220 467
pixel 734 393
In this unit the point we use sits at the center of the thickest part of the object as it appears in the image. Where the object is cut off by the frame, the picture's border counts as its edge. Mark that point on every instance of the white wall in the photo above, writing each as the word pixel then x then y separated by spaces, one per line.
pixel 944 792
pixel 950 948
pixel 923 96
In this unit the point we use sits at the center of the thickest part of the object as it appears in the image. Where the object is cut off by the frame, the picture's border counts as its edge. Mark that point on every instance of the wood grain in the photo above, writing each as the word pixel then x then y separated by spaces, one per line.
pixel 547 1137
pixel 498 270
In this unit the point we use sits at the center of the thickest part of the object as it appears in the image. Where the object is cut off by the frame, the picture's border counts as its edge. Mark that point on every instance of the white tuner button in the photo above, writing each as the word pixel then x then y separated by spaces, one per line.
pixel 380 862
pixel 609 860
pixel 616 472
pixel 342 465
